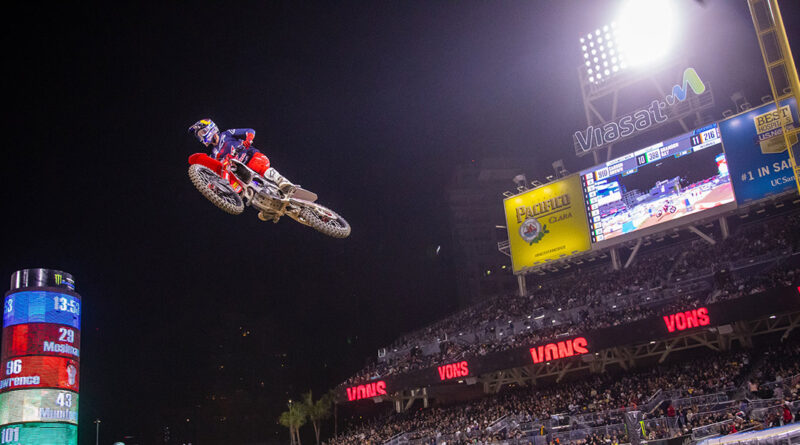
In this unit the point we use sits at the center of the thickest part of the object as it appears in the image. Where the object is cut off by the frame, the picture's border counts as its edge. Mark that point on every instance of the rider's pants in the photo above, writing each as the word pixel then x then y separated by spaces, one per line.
pixel 259 162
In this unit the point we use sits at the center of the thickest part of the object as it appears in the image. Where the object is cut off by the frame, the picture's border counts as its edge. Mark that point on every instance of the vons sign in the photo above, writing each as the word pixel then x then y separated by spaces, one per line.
pixel 687 320
pixel 366 391
pixel 559 350
pixel 453 371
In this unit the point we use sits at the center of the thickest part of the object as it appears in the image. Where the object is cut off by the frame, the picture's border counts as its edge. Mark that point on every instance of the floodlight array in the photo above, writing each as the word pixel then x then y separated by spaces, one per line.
pixel 603 56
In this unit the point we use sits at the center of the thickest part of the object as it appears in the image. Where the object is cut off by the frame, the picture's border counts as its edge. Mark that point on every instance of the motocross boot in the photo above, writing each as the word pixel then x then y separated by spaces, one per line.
pixel 283 184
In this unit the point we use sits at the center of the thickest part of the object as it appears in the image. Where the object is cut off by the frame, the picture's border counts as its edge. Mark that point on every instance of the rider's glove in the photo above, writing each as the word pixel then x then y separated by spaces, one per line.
pixel 248 140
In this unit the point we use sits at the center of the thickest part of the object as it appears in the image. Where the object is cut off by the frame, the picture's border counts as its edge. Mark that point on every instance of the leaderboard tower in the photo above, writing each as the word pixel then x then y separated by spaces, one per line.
pixel 39 362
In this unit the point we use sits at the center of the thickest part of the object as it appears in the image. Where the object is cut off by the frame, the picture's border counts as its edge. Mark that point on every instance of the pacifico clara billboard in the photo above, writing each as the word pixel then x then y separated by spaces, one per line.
pixel 547 223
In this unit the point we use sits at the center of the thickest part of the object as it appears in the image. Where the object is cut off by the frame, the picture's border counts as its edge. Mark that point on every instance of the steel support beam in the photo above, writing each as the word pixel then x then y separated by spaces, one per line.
pixel 723 227
pixel 523 288
pixel 404 400
pixel 633 253
pixel 700 233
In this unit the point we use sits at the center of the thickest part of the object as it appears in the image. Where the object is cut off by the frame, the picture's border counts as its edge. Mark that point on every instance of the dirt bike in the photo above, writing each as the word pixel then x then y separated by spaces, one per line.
pixel 668 208
pixel 245 187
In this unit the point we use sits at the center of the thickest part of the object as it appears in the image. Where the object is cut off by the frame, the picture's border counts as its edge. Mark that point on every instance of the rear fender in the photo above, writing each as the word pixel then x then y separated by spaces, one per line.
pixel 206 161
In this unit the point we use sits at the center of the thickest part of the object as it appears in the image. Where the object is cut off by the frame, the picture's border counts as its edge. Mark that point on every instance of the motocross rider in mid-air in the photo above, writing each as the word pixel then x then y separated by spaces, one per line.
pixel 237 143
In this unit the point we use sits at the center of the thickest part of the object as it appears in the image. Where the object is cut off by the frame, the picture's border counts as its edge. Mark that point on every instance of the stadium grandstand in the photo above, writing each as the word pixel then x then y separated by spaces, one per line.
pixel 693 339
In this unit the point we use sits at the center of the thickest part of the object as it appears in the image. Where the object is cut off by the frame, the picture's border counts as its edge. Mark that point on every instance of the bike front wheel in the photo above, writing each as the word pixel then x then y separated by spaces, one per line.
pixel 216 189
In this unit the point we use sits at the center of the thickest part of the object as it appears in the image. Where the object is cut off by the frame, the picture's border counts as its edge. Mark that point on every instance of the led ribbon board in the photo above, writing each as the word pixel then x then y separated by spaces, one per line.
pixel 39 372
pixel 42 307
pixel 38 405
pixel 39 364
pixel 41 338
pixel 37 433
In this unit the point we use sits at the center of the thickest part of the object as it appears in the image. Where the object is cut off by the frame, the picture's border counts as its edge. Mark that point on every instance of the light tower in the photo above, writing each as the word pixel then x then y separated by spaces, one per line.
pixel 626 61
pixel 39 379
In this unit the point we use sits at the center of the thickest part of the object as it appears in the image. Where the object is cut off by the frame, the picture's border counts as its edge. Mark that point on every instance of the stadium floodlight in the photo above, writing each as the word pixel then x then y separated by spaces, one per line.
pixel 646 31
pixel 601 53
pixel 643 33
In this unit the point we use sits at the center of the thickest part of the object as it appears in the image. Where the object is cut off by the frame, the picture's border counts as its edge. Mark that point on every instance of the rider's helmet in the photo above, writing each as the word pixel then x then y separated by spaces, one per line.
pixel 204 130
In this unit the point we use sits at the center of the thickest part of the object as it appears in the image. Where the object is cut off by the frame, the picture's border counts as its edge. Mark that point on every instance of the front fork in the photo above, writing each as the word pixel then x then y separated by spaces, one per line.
pixel 228 176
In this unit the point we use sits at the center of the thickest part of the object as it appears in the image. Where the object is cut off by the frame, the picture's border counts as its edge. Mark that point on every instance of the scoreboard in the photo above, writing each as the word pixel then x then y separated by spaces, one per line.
pixel 658 187
pixel 40 359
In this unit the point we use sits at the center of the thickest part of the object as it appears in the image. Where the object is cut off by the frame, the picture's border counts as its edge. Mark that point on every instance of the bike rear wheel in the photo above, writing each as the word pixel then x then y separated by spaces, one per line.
pixel 216 189
pixel 325 220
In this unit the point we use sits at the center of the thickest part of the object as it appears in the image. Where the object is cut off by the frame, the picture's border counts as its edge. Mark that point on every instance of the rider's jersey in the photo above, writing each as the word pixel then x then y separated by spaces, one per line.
pixel 233 139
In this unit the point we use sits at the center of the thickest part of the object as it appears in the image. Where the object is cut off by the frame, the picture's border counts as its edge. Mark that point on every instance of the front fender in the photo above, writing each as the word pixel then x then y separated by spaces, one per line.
pixel 206 161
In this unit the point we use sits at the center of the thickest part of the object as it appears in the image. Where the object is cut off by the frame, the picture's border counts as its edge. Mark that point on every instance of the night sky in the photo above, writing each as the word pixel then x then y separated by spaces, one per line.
pixel 371 105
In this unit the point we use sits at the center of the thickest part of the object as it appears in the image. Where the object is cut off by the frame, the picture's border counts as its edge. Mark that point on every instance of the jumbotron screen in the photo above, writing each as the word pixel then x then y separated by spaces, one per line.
pixel 38 433
pixel 667 181
pixel 38 405
pixel 41 307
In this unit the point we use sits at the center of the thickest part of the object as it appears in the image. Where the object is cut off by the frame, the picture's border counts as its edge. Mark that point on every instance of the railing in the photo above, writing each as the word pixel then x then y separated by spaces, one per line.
pixel 786 383
pixel 763 258
pixel 716 407
pixel 397 439
pixel 600 417
pixel 760 414
pixel 500 424
pixel 580 434
pixel 700 400
pixel 763 403
pixel 714 429
pixel 784 435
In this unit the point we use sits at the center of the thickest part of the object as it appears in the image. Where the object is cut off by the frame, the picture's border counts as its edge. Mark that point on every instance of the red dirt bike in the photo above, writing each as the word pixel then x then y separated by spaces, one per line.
pixel 668 208
pixel 245 187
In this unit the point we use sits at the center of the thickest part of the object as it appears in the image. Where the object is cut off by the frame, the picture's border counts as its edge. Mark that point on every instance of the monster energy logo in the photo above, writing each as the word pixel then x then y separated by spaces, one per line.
pixel 58 279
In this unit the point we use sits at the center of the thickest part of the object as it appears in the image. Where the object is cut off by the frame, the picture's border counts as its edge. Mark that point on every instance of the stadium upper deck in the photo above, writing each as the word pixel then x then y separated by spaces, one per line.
pixel 668 277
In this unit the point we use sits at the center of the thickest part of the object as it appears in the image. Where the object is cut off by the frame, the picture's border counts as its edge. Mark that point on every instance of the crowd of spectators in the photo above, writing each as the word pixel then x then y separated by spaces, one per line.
pixel 603 394
pixel 750 241
pixel 592 402
pixel 594 297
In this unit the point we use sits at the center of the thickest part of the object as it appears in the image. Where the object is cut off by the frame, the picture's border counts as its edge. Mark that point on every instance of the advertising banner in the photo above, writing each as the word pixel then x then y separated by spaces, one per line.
pixel 547 223
pixel 757 157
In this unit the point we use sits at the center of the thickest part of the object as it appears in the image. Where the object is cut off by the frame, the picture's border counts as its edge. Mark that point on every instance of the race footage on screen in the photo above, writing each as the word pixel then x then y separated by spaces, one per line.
pixel 666 181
